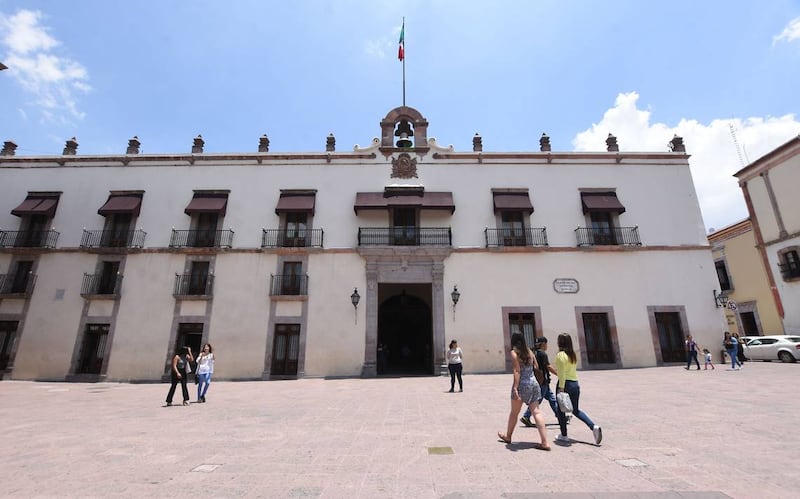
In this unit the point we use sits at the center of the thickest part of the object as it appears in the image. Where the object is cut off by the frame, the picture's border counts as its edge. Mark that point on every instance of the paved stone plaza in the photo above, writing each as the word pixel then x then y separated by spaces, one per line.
pixel 668 433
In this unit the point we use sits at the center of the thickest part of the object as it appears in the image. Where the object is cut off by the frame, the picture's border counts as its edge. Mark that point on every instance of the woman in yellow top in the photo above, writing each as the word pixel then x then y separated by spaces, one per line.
pixel 566 366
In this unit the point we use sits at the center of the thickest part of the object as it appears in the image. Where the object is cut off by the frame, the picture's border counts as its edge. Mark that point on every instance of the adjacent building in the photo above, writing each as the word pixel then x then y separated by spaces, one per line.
pixel 750 309
pixel 770 185
pixel 348 263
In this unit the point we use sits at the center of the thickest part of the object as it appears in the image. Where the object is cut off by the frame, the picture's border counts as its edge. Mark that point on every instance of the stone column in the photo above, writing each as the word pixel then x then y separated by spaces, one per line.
pixel 370 367
pixel 439 305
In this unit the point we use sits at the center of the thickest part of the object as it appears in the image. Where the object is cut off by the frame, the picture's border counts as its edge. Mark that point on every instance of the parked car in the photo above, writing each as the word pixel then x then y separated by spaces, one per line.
pixel 779 347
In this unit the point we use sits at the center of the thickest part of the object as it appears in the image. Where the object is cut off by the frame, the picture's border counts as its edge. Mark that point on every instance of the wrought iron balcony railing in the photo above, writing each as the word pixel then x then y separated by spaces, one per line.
pixel 405 236
pixel 28 238
pixel 17 284
pixel 288 285
pixel 528 236
pixel 613 236
pixel 113 238
pixel 101 284
pixel 789 270
pixel 193 285
pixel 201 238
pixel 283 238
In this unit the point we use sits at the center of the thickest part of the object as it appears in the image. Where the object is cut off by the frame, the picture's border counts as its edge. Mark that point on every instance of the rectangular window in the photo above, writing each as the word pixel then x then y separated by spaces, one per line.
pixel 722 275
pixel 603 228
pixel 525 324
pixel 108 278
pixel 8 333
pixel 670 336
pixel 117 231
pixel 513 228
pixel 404 227
pixel 190 334
pixel 285 349
pixel 296 225
pixel 22 276
pixel 291 283
pixel 205 233
pixel 597 332
pixel 198 279
pixel 790 265
pixel 93 349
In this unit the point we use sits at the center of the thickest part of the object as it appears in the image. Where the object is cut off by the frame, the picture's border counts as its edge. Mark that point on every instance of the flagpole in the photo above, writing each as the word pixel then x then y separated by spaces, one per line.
pixel 404 63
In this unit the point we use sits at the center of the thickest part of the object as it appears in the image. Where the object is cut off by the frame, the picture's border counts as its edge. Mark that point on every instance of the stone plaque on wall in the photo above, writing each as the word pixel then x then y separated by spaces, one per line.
pixel 567 285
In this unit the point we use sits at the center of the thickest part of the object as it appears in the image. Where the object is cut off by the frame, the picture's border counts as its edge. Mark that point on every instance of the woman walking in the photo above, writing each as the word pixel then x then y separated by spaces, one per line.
pixel 205 368
pixel 180 365
pixel 525 389
pixel 566 367
pixel 455 364
pixel 731 346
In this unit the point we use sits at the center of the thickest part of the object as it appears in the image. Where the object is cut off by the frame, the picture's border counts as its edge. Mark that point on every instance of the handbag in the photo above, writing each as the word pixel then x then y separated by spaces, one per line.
pixel 564 402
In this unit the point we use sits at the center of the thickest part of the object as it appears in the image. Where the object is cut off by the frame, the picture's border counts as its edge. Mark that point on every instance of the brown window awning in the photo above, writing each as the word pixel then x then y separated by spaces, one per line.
pixel 512 201
pixel 121 203
pixel 207 203
pixel 425 201
pixel 294 203
pixel 37 205
pixel 601 202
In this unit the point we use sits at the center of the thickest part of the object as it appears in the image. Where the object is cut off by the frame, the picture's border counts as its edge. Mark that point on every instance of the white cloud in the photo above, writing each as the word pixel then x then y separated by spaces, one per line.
pixel 375 48
pixel 790 32
pixel 714 157
pixel 52 80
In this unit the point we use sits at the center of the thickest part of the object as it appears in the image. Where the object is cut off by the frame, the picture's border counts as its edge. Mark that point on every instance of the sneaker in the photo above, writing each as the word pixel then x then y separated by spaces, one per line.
pixel 526 421
pixel 598 434
pixel 563 439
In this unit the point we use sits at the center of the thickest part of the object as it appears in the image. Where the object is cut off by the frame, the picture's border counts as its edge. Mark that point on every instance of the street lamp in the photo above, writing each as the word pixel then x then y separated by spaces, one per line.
pixel 455 295
pixel 720 300
pixel 354 299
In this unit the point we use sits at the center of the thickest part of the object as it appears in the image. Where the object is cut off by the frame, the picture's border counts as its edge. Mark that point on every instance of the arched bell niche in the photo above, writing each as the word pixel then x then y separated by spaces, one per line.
pixel 404 128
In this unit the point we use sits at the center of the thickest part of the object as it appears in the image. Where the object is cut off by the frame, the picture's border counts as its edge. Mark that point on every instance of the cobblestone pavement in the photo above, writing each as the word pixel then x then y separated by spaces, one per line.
pixel 668 433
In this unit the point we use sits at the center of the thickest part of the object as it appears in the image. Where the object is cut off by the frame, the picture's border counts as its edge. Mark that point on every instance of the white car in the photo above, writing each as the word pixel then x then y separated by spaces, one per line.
pixel 783 348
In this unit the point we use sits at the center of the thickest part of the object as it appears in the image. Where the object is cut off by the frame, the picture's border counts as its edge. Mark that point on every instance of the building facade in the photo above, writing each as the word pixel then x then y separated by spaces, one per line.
pixel 769 186
pixel 357 263
pixel 743 280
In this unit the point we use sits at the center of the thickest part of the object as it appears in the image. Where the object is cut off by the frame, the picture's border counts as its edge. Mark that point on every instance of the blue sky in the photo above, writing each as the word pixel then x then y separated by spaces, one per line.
pixel 103 71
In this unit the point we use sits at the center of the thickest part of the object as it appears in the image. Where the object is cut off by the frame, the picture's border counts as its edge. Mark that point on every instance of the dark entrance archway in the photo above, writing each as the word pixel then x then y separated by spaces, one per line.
pixel 405 336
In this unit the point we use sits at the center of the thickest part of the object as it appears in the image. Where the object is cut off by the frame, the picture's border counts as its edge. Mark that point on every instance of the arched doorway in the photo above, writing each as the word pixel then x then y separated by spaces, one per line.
pixel 405 336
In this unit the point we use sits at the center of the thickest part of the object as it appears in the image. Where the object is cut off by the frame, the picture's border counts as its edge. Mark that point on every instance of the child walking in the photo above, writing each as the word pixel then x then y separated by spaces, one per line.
pixel 707 356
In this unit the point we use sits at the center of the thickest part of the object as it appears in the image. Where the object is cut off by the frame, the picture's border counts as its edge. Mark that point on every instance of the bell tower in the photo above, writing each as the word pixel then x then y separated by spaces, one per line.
pixel 410 128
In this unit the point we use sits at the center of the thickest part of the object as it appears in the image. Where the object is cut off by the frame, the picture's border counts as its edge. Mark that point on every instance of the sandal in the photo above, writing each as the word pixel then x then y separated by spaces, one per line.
pixel 503 438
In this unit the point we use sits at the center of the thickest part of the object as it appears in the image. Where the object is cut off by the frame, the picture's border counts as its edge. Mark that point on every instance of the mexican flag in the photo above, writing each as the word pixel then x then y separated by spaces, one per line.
pixel 401 51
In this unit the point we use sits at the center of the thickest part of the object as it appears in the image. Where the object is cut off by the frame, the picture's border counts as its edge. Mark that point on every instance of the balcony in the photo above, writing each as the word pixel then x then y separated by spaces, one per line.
pixel 288 285
pixel 203 238
pixel 612 236
pixel 28 239
pixel 17 285
pixel 283 238
pixel 113 238
pixel 405 236
pixel 789 270
pixel 101 285
pixel 193 285
pixel 529 236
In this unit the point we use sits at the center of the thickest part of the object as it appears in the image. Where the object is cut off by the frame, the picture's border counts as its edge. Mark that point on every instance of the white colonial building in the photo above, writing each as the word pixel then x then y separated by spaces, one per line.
pixel 770 187
pixel 357 263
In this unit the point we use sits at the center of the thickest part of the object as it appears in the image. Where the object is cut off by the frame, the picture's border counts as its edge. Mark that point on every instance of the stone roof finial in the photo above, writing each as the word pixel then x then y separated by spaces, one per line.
pixel 611 144
pixel 263 143
pixel 198 144
pixel 544 142
pixel 477 142
pixel 676 144
pixel 9 148
pixel 330 143
pixel 133 145
pixel 71 147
